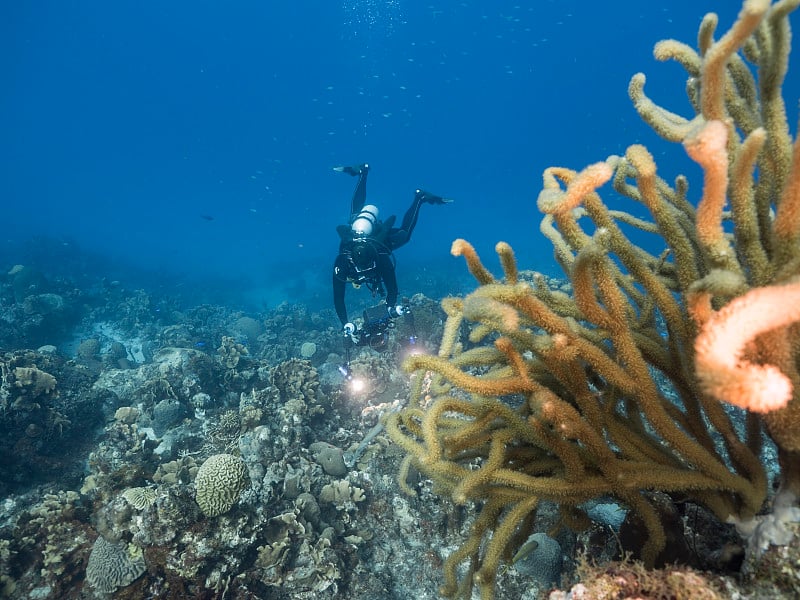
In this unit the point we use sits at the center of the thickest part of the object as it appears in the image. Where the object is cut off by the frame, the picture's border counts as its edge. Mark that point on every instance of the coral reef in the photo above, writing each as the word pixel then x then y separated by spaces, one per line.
pixel 628 580
pixel 613 390
pixel 38 311
pixel 293 520
pixel 46 406
pixel 45 556
pixel 322 514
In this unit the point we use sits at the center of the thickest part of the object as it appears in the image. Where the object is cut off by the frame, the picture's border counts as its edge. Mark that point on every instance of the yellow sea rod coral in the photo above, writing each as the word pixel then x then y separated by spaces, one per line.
pixel 567 398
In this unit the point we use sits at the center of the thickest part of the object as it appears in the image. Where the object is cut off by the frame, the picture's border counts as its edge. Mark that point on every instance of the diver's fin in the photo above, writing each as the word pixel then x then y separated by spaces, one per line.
pixel 432 198
pixel 353 170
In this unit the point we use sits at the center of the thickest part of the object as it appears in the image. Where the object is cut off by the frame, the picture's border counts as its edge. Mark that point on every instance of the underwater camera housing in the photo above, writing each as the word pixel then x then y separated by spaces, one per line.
pixel 376 324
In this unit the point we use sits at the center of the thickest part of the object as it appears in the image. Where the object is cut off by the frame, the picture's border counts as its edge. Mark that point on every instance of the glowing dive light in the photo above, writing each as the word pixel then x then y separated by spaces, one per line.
pixel 357 385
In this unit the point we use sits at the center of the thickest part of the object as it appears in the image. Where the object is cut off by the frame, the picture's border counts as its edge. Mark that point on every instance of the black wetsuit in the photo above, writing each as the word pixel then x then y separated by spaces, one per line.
pixel 379 276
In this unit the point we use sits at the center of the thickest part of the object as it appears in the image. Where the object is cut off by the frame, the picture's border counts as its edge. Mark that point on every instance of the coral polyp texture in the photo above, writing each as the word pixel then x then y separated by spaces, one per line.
pixel 220 482
pixel 624 387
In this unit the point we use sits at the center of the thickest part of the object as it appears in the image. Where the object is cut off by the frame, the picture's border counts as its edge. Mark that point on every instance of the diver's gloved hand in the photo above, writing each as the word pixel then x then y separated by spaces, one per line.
pixel 397 311
pixel 351 334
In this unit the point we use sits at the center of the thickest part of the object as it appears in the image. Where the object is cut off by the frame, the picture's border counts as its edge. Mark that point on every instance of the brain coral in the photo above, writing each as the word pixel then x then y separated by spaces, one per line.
pixel 220 481
pixel 140 497
pixel 113 565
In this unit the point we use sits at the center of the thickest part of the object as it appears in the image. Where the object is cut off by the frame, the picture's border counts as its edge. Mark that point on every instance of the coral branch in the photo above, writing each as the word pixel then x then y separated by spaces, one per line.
pixel 722 369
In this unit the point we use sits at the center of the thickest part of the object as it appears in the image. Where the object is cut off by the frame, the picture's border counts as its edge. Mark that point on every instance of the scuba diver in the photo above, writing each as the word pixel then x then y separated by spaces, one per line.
pixel 366 258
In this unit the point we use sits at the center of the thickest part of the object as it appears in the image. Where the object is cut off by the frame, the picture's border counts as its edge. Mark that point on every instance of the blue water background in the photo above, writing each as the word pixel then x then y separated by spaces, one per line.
pixel 195 140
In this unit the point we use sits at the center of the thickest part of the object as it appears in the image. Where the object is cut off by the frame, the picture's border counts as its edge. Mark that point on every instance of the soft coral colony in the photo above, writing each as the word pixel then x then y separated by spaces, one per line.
pixel 619 388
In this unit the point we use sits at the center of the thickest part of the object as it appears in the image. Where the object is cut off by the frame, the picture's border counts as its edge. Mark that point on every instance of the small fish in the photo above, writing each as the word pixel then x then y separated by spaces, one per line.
pixel 207 217
pixel 199 344
pixel 524 551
